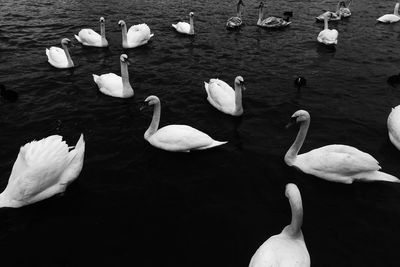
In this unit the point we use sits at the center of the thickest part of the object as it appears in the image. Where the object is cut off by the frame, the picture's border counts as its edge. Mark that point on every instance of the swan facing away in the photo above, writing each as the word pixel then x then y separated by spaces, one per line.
pixel 136 36
pixel 327 36
pixel 58 57
pixel 236 22
pixel 43 168
pixel 114 85
pixel 391 18
pixel 89 37
pixel 225 98
pixel 335 163
pixel 288 248
pixel 272 22
pixel 393 124
pixel 184 27
pixel 175 138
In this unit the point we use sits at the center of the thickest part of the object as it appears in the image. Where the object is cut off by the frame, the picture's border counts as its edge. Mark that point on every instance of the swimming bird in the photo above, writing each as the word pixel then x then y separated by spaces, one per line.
pixel 136 36
pixel 236 22
pixel 8 95
pixel 273 22
pixel 393 125
pixel 300 82
pixel 43 168
pixel 341 12
pixel 327 36
pixel 344 10
pixel 89 37
pixel 184 27
pixel 335 163
pixel 391 18
pixel 225 98
pixel 114 85
pixel 394 80
pixel 175 138
pixel 58 57
pixel 288 248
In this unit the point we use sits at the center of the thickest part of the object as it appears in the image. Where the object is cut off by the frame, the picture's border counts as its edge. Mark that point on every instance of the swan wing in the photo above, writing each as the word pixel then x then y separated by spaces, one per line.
pixel 389 18
pixel 221 94
pixel 393 124
pixel 89 37
pixel 234 22
pixel 57 57
pixel 139 33
pixel 328 36
pixel 109 84
pixel 182 27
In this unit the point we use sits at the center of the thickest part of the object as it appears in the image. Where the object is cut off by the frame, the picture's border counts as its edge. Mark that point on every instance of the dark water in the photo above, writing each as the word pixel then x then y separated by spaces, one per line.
pixel 134 205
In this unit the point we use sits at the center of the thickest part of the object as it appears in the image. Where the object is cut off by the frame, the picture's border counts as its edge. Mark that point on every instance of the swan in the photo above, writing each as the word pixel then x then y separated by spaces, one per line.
pixel 89 37
pixel 58 57
pixel 43 168
pixel 176 138
pixel 236 22
pixel 8 95
pixel 327 36
pixel 336 163
pixel 341 12
pixel 224 98
pixel 288 248
pixel 114 85
pixel 393 124
pixel 391 18
pixel 136 36
pixel 184 27
pixel 272 22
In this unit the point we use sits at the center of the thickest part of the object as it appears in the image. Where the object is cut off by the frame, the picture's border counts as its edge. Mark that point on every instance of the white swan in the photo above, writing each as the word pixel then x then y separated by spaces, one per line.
pixel 272 22
pixel 327 36
pixel 336 163
pixel 176 138
pixel 236 22
pixel 393 124
pixel 114 85
pixel 58 57
pixel 341 11
pixel 136 36
pixel 391 18
pixel 184 27
pixel 89 37
pixel 225 98
pixel 288 248
pixel 43 168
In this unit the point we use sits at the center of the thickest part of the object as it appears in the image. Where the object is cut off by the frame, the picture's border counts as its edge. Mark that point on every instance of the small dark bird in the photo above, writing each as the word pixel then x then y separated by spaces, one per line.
pixel 299 82
pixel 393 80
pixel 8 95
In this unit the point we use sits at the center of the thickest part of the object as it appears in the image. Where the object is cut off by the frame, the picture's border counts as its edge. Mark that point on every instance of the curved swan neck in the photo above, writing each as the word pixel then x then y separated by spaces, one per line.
pixel 124 35
pixel 260 15
pixel 396 9
pixel 238 98
pixel 296 206
pixel 126 86
pixel 191 30
pixel 154 122
pixel 291 154
pixel 70 62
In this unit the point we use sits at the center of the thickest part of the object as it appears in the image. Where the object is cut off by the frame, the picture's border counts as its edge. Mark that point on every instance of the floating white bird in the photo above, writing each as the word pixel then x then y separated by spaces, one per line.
pixel 341 12
pixel 136 36
pixel 89 37
pixel 58 57
pixel 43 168
pixel 288 248
pixel 176 138
pixel 393 124
pixel 184 27
pixel 272 22
pixel 391 18
pixel 236 22
pixel 336 163
pixel 225 98
pixel 327 36
pixel 114 85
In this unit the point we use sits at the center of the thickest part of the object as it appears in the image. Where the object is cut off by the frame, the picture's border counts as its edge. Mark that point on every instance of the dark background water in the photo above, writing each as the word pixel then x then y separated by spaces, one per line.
pixel 134 205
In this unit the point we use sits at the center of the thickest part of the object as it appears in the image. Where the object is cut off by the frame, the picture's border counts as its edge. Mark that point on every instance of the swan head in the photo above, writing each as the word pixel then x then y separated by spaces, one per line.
pixel 261 5
pixel 66 41
pixel 298 117
pixel 152 100
pixel 241 2
pixel 191 14
pixel 102 20
pixel 121 23
pixel 240 82
pixel 124 59
pixel 292 191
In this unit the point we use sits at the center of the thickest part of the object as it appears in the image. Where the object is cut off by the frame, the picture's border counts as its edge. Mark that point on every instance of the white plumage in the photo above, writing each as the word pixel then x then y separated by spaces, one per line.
pixel 184 27
pixel 89 37
pixel 393 124
pixel 58 57
pixel 136 36
pixel 327 36
pixel 391 18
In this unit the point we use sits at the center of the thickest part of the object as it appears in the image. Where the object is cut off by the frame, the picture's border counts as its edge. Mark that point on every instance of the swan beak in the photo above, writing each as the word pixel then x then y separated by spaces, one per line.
pixel 292 122
pixel 143 106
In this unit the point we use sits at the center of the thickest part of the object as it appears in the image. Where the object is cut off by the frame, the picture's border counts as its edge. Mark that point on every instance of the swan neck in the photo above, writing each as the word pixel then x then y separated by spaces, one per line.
pixel 291 154
pixel 124 36
pixel 260 16
pixel 239 10
pixel 297 214
pixel 126 86
pixel 103 31
pixel 154 122
pixel 238 98
pixel 191 30
pixel 396 9
pixel 70 62
pixel 326 24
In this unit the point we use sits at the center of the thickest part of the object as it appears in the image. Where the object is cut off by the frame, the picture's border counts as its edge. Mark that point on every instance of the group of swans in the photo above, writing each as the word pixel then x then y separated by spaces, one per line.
pixel 342 11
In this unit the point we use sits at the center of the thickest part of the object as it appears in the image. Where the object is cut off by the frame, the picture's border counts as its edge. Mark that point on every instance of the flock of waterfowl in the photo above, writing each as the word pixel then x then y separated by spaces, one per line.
pixel 44 168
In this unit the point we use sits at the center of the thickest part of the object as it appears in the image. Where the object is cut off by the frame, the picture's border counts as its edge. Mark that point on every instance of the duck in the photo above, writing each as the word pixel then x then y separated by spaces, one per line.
pixel 113 85
pixel 9 95
pixel 89 37
pixel 287 249
pixel 393 125
pixel 184 27
pixel 300 82
pixel 42 169
pixel 224 98
pixel 335 163
pixel 273 22
pixel 391 18
pixel 137 35
pixel 236 22
pixel 60 58
pixel 175 138
pixel 327 36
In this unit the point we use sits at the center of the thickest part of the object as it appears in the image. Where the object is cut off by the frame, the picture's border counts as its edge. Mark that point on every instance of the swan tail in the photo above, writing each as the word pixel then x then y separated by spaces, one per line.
pixel 48 53
pixel 378 176
pixel 78 38
pixel 95 77
pixel 206 87
pixel 75 165
pixel 151 35
pixel 213 144
pixel 175 26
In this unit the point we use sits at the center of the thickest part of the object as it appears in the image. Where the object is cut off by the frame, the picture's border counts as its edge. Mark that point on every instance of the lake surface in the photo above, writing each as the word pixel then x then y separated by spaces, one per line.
pixel 135 205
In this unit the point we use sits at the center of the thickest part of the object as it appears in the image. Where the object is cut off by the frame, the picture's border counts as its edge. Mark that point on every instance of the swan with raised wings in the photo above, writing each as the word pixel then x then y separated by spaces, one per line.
pixel 288 248
pixel 60 58
pixel 225 98
pixel 89 37
pixel 391 18
pixel 272 22
pixel 43 168
pixel 114 85
pixel 393 124
pixel 327 36
pixel 184 27
pixel 236 22
pixel 175 138
pixel 136 36
pixel 335 163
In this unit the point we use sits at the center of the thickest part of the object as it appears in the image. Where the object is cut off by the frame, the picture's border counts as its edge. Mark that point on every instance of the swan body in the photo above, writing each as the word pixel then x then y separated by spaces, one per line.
pixel 43 168
pixel 391 18
pixel 271 22
pixel 236 22
pixel 136 36
pixel 336 163
pixel 89 37
pixel 327 36
pixel 184 27
pixel 175 138
pixel 225 98
pixel 393 124
pixel 288 248
pixel 113 85
pixel 60 58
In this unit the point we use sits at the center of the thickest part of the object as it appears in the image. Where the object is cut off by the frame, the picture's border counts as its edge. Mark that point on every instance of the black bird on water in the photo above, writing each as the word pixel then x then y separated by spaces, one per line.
pixel 393 80
pixel 300 82
pixel 8 95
